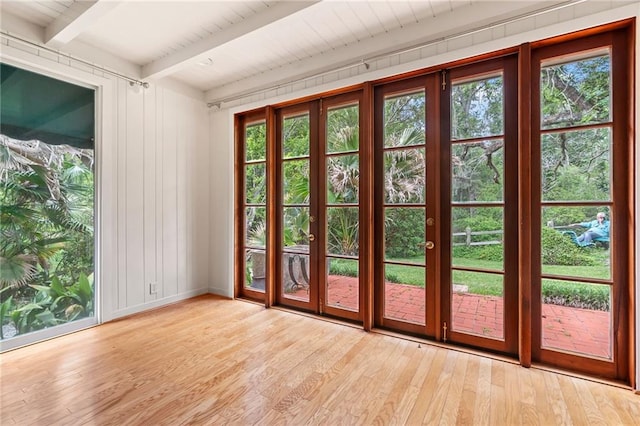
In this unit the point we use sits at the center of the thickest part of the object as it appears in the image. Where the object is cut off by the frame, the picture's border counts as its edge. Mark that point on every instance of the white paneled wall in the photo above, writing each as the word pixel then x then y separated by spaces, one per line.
pixel 162 198
pixel 222 166
pixel 152 160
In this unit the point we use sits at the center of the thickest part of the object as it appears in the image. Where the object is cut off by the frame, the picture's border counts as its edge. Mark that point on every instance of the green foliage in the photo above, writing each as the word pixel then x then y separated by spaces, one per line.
pixel 50 305
pixel 584 296
pixel 344 268
pixel 46 233
pixel 559 249
pixel 404 232
pixel 492 252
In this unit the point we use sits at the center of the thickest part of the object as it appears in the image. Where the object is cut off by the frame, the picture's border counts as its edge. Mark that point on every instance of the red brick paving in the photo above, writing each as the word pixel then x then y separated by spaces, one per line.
pixel 565 328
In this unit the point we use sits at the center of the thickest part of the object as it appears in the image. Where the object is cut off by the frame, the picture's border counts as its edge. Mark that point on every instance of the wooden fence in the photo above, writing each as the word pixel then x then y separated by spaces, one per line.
pixel 468 234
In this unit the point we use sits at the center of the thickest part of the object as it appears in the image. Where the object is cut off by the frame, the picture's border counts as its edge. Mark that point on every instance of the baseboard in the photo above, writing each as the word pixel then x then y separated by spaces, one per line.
pixel 224 292
pixel 155 304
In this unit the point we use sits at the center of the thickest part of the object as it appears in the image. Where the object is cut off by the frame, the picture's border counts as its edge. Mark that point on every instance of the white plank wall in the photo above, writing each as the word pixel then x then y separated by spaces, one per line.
pixel 162 150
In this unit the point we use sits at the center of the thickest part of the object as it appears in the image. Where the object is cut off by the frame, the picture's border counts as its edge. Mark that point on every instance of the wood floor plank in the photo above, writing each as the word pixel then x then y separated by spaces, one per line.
pixel 213 361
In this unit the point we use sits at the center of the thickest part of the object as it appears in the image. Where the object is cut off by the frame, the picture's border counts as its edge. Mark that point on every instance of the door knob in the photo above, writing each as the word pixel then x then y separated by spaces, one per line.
pixel 429 245
pixel 312 237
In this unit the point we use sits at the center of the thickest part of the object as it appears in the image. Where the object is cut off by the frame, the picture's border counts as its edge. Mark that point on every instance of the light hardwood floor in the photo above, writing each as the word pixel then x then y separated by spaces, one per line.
pixel 215 361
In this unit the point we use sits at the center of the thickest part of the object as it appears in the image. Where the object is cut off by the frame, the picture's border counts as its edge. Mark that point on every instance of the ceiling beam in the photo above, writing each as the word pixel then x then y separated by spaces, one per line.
pixel 80 16
pixel 201 49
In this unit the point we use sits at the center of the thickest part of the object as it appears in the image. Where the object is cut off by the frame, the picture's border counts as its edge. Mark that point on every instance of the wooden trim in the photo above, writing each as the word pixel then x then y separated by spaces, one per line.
pixel 581 34
pixel 367 171
pixel 239 229
pixel 447 66
pixel 622 190
pixel 272 212
pixel 318 96
pixel 631 173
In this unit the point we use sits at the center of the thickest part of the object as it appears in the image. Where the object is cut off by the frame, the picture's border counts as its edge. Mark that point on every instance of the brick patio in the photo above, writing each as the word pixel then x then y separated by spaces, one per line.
pixel 569 329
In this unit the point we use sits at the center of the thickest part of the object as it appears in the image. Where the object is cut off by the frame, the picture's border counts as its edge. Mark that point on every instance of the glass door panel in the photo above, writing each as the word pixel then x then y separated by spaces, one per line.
pixel 341 213
pixel 576 152
pixel 296 274
pixel 480 286
pixel 254 165
pixel 477 206
pixel 404 209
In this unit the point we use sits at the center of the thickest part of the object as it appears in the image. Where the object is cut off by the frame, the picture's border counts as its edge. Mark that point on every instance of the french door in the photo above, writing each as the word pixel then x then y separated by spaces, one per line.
pixel 456 204
pixel 446 144
pixel 479 137
pixel 581 165
pixel 318 193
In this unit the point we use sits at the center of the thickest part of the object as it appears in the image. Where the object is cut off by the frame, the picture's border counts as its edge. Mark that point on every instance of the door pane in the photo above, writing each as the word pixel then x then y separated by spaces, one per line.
pixel 576 165
pixel 256 142
pixel 295 136
pixel 342 284
pixel 405 176
pixel 295 227
pixel 477 237
pixel 404 293
pixel 256 183
pixel 477 305
pixel 404 120
pixel 256 269
pixel 295 180
pixel 404 231
pixel 477 171
pixel 295 273
pixel 343 179
pixel 256 227
pixel 477 108
pixel 576 92
pixel 576 317
pixel 343 126
pixel 343 231
pixel 575 242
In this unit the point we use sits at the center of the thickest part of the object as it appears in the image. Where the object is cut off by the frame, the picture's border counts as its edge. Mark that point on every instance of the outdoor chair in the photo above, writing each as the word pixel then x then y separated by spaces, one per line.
pixel 574 237
pixel 301 260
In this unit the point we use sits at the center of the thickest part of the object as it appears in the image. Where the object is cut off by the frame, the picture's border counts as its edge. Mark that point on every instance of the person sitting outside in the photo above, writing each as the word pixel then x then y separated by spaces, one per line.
pixel 596 229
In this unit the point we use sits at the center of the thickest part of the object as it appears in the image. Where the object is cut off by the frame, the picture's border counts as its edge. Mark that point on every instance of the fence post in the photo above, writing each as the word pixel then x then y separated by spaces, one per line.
pixel 467 230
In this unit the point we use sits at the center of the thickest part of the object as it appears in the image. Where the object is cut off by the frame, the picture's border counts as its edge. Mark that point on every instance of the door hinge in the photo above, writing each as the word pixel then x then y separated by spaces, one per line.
pixel 444 79
pixel 444 332
pixel 321 304
pixel 320 106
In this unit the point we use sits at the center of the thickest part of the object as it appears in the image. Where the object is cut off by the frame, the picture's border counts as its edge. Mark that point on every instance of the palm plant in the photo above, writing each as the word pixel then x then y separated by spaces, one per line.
pixel 46 197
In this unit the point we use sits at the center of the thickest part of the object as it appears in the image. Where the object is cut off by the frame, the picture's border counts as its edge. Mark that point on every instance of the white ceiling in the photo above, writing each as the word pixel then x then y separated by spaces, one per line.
pixel 220 47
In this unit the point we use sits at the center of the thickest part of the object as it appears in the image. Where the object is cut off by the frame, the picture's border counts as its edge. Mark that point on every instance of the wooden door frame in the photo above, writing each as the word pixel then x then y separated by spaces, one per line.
pixel 429 83
pixel 508 65
pixel 622 201
pixel 312 108
pixel 342 99
pixel 241 121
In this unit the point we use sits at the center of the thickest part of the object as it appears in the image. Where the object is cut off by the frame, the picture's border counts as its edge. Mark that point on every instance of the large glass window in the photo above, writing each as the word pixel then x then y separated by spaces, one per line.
pixel 46 203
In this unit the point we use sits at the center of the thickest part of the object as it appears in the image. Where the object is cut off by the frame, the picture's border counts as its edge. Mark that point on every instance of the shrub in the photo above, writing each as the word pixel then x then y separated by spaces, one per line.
pixel 559 249
pixel 584 296
pixel 404 233
pixel 492 253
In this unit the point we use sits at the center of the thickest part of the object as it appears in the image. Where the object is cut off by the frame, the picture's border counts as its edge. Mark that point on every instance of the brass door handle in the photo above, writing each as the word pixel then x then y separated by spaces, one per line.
pixel 312 237
pixel 429 245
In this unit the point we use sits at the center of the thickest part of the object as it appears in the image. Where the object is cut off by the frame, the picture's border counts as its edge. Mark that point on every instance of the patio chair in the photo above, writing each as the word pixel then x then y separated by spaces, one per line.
pixel 302 262
pixel 574 238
